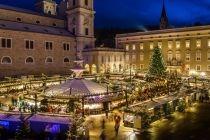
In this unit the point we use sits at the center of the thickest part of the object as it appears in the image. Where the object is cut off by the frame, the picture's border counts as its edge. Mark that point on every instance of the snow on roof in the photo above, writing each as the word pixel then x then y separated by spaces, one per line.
pixel 79 86
pixel 17 26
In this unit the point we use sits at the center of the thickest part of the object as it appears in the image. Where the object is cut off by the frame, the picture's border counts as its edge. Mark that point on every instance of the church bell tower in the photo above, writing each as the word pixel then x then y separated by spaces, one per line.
pixel 80 21
pixel 164 19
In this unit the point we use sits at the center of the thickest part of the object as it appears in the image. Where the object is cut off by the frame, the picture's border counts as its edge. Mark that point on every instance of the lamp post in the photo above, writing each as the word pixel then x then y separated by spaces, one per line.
pixel 126 97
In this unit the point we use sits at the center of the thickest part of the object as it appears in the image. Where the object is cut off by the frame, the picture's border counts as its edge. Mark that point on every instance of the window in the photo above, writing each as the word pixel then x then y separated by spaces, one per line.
pixel 73 31
pixel 66 46
pixel 48 45
pixel 208 42
pixel 102 59
pixel 134 57
pixel 127 57
pixel 127 47
pixel 198 56
pixel 109 58
pixel 141 57
pixel 170 45
pixel 170 56
pixel 74 2
pixel 6 60
pixel 141 46
pixel 187 43
pixel 29 60
pixel 29 44
pixel 208 68
pixel 49 60
pixel 160 45
pixel 151 46
pixel 115 58
pixel 187 67
pixel 134 47
pixel 133 66
pixel 54 24
pixel 178 44
pixel 187 58
pixel 141 66
pixel 19 19
pixel 6 43
pixel 66 60
pixel 37 22
pixel 198 43
pixel 208 55
pixel 86 2
pixel 86 31
pixel 178 56
pixel 198 67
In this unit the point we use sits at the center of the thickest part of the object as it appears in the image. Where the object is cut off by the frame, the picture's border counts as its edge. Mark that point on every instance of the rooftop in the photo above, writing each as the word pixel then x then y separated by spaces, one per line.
pixel 18 26
pixel 165 31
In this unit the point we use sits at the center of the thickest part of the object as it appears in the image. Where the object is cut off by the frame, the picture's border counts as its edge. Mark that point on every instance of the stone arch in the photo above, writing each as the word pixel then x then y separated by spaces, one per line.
pixel 49 60
pixel 29 60
pixel 6 60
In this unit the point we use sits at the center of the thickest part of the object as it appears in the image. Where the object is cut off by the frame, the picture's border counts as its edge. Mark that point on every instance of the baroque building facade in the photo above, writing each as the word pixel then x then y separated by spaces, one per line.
pixel 46 40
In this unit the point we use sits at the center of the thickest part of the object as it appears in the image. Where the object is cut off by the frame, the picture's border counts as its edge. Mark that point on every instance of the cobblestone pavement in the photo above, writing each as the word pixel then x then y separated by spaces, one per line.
pixel 125 133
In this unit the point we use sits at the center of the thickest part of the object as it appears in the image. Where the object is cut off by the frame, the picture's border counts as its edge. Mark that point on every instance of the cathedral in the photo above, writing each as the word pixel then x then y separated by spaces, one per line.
pixel 46 40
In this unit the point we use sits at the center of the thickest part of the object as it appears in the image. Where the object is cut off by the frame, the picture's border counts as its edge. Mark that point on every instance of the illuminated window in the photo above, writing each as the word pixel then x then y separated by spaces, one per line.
pixel 178 44
pixel 170 56
pixel 134 47
pixel 187 67
pixel 187 43
pixel 208 55
pixel 160 45
pixel 208 42
pixel 127 57
pixel 151 46
pixel 198 43
pixel 133 57
pixel 178 56
pixel 141 57
pixel 141 66
pixel 187 58
pixel 198 56
pixel 170 45
pixel 208 68
pixel 127 47
pixel 141 46
pixel 198 67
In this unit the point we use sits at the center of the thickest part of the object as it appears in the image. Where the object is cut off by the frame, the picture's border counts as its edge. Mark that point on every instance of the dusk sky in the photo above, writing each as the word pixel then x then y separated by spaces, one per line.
pixel 137 13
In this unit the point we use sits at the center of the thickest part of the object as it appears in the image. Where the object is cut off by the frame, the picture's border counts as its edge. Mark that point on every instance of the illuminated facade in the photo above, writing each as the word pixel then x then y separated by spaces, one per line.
pixel 46 40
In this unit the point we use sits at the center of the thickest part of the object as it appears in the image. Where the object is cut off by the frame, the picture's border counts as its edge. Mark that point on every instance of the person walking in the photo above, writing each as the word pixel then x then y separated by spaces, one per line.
pixel 103 135
pixel 117 125
pixel 103 124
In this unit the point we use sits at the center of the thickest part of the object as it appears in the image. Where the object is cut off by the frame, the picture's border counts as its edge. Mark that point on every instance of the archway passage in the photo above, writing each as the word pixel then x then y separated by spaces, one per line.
pixel 94 69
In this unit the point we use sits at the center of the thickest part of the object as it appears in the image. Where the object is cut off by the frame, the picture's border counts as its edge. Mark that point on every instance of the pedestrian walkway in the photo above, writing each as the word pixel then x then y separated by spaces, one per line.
pixel 125 133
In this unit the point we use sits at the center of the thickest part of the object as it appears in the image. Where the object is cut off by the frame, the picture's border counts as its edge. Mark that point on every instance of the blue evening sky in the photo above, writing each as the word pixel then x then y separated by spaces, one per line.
pixel 137 13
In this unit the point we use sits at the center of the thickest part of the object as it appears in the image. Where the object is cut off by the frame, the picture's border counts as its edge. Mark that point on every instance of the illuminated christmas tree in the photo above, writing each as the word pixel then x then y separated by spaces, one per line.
pixel 157 68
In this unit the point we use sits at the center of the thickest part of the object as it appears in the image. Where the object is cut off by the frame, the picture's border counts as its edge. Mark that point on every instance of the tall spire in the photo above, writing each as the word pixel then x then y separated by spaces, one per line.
pixel 164 19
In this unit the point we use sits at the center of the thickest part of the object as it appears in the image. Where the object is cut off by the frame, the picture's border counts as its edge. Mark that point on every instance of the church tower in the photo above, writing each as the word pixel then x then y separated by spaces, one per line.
pixel 46 7
pixel 80 21
pixel 164 19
